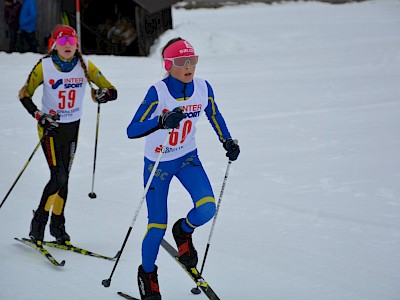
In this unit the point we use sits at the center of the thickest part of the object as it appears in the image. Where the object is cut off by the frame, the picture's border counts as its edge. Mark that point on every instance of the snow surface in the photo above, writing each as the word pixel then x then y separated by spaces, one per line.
pixel 311 209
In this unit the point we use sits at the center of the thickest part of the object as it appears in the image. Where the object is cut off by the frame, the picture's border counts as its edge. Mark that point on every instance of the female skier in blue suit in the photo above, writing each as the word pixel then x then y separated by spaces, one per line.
pixel 176 103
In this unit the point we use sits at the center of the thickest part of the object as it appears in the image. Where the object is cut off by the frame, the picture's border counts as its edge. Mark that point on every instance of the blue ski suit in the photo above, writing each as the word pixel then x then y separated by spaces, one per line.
pixel 186 168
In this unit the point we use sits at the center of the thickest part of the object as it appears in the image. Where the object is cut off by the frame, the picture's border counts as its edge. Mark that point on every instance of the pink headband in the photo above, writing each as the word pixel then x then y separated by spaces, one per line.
pixel 177 49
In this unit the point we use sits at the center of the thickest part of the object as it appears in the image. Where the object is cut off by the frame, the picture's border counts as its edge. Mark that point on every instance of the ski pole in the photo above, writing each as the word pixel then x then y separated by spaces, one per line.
pixel 23 169
pixel 93 194
pixel 196 290
pixel 107 282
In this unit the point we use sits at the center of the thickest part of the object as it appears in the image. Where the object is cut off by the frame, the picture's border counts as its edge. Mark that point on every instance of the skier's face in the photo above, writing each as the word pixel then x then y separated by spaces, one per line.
pixel 67 50
pixel 184 74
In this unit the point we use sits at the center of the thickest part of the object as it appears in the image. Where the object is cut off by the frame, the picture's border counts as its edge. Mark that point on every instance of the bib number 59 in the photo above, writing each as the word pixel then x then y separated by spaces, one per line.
pixel 66 99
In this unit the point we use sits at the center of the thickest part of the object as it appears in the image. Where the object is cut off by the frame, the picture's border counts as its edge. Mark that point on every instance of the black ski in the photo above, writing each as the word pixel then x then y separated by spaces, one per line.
pixel 69 247
pixel 193 272
pixel 39 247
pixel 126 296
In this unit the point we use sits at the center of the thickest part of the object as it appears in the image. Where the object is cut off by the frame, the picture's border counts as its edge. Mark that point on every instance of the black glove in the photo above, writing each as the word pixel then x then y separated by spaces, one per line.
pixel 47 121
pixel 232 149
pixel 171 119
pixel 102 95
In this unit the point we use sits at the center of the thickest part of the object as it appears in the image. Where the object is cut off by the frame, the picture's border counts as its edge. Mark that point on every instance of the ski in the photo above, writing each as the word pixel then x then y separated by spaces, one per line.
pixel 39 247
pixel 126 296
pixel 193 272
pixel 69 247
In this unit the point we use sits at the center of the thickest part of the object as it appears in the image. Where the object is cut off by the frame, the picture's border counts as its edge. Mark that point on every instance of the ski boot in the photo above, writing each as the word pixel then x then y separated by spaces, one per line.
pixel 57 229
pixel 148 284
pixel 38 225
pixel 187 252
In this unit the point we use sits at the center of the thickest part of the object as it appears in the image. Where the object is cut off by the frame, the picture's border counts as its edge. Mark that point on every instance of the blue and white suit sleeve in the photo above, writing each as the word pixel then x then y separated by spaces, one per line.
pixel 215 117
pixel 141 124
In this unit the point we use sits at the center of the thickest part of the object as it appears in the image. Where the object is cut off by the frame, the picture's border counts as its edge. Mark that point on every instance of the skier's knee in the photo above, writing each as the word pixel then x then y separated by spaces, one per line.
pixel 62 179
pixel 205 208
pixel 156 230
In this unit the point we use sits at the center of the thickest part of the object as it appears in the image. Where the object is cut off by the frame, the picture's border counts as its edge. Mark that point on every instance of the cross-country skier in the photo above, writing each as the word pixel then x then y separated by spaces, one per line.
pixel 64 74
pixel 176 103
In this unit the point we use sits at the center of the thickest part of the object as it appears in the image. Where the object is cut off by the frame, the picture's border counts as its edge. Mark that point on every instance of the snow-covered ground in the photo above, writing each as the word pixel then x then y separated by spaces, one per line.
pixel 311 210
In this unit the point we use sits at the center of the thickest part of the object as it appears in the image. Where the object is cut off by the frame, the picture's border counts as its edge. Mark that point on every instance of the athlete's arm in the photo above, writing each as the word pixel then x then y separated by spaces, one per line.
pixel 215 117
pixel 141 124
pixel 35 80
pixel 101 81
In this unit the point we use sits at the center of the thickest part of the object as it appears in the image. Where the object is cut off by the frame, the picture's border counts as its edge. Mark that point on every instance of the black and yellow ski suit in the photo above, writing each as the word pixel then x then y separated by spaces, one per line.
pixel 59 146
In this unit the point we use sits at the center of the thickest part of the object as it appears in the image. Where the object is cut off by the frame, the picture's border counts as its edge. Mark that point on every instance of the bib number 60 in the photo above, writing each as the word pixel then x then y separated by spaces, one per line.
pixel 178 135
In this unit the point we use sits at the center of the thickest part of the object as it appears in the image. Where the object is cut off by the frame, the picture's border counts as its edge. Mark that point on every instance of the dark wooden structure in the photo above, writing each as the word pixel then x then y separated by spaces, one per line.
pixel 117 27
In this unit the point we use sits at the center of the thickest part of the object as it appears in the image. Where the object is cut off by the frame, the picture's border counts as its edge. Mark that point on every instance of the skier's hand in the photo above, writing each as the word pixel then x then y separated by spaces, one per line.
pixel 47 121
pixel 102 95
pixel 232 149
pixel 171 119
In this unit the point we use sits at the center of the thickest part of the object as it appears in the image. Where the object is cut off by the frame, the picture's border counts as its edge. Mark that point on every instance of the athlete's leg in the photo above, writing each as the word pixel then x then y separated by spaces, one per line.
pixel 157 210
pixel 67 142
pixel 56 148
pixel 195 180
pixel 193 177
pixel 41 215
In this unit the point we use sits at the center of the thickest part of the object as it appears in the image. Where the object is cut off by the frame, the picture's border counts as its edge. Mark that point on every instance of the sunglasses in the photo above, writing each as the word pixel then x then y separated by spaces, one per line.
pixel 72 40
pixel 180 61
